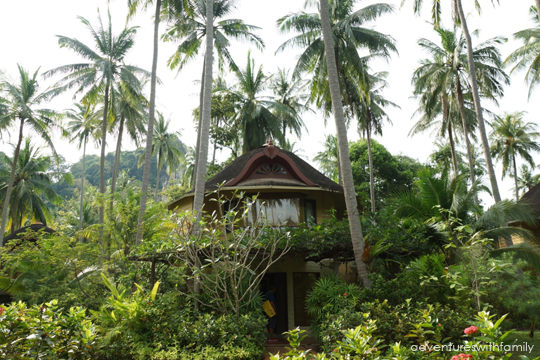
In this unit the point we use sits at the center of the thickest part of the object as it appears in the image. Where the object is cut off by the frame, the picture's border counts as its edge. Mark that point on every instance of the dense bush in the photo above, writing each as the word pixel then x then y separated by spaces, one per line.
pixel 40 332
pixel 336 306
pixel 484 339
pixel 148 326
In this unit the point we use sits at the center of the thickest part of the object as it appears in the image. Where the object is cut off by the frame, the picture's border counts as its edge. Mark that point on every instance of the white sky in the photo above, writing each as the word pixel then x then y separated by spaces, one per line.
pixel 28 29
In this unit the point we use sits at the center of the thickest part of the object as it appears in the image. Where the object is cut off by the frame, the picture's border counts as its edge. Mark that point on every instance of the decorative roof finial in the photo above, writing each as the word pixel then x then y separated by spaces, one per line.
pixel 270 150
pixel 269 142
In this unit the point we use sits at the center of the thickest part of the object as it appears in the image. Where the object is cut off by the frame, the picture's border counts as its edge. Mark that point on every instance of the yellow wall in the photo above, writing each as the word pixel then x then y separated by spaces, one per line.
pixel 324 201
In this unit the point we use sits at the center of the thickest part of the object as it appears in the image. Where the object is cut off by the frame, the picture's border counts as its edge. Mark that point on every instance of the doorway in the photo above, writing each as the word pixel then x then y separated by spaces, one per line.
pixel 280 281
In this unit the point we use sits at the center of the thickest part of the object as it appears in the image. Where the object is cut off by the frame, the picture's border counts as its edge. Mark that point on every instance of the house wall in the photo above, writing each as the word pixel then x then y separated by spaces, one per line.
pixel 324 201
pixel 536 231
pixel 292 265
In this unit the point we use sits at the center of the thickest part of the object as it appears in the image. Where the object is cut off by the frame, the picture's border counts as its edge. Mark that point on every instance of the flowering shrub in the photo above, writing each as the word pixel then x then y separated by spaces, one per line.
pixel 362 343
pixel 462 357
pixel 470 330
pixel 40 332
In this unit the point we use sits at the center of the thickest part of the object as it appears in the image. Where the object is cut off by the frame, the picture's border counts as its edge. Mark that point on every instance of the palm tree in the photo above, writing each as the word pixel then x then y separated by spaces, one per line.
pixel 166 148
pixel 371 116
pixel 83 124
pixel 204 132
pixel 191 26
pixel 328 159
pixel 528 55
pixel 172 7
pixel 349 34
pixel 444 78
pixel 129 106
pixel 255 115
pixel 290 92
pixel 512 137
pixel 461 19
pixel 19 103
pixel 31 187
pixel 527 180
pixel 341 131
pixel 439 197
pixel 97 77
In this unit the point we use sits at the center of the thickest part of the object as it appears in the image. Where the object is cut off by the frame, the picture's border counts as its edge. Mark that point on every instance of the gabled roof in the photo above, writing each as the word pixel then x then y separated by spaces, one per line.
pixel 23 232
pixel 532 197
pixel 240 169
pixel 243 172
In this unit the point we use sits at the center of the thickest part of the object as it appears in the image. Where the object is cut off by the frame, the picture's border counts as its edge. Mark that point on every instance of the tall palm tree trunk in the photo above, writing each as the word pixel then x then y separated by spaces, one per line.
pixel 459 91
pixel 102 162
pixel 446 120
pixel 150 132
pixel 452 149
pixel 157 177
pixel 82 188
pixel 478 105
pixel 202 151
pixel 515 176
pixel 117 161
pixel 199 126
pixel 206 112
pixel 370 160
pixel 341 130
pixel 10 185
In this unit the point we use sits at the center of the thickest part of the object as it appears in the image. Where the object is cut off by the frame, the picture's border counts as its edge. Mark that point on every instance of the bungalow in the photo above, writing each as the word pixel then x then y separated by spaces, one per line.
pixel 532 198
pixel 290 192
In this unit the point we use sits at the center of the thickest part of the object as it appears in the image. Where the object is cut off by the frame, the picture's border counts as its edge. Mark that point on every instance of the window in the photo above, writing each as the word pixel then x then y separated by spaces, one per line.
pixel 283 212
pixel 310 212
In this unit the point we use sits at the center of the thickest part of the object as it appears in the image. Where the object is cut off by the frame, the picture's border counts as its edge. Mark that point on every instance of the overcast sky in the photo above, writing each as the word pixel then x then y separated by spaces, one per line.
pixel 28 29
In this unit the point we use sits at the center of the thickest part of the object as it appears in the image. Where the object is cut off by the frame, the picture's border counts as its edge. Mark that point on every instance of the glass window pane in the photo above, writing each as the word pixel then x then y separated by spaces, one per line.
pixel 284 212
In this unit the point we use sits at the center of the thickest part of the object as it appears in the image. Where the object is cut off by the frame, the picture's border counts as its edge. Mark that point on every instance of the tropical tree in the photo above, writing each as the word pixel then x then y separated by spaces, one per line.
pixel 442 80
pixel 528 55
pixel 349 34
pixel 32 193
pixel 95 79
pixel 290 92
pixel 341 130
pixel 191 26
pixel 431 193
pixel 512 137
pixel 255 116
pixel 328 158
pixel 526 181
pixel 459 17
pixel 83 125
pixel 19 103
pixel 371 116
pixel 172 7
pixel 129 105
pixel 166 148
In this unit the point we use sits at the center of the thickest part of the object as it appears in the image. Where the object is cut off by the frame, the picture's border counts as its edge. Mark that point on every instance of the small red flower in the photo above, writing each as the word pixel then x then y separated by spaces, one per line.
pixel 344 294
pixel 470 330
pixel 2 310
pixel 335 350
pixel 440 325
pixel 149 303
pixel 462 357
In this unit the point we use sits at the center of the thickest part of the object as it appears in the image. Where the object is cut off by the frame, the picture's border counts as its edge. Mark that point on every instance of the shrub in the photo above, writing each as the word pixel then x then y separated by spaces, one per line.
pixel 45 332
pixel 146 326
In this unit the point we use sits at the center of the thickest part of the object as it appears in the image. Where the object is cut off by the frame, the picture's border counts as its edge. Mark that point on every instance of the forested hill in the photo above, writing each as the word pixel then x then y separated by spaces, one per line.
pixel 128 163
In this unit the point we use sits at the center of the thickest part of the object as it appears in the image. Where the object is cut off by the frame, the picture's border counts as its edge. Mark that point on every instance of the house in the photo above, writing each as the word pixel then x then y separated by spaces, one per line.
pixel 290 192
pixel 532 198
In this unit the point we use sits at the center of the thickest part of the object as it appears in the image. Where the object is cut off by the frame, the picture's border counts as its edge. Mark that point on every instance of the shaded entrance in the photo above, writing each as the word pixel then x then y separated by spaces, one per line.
pixel 303 282
pixel 280 281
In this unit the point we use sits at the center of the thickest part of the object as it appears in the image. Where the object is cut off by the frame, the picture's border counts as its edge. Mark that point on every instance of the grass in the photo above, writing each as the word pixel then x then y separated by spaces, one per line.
pixel 522 337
